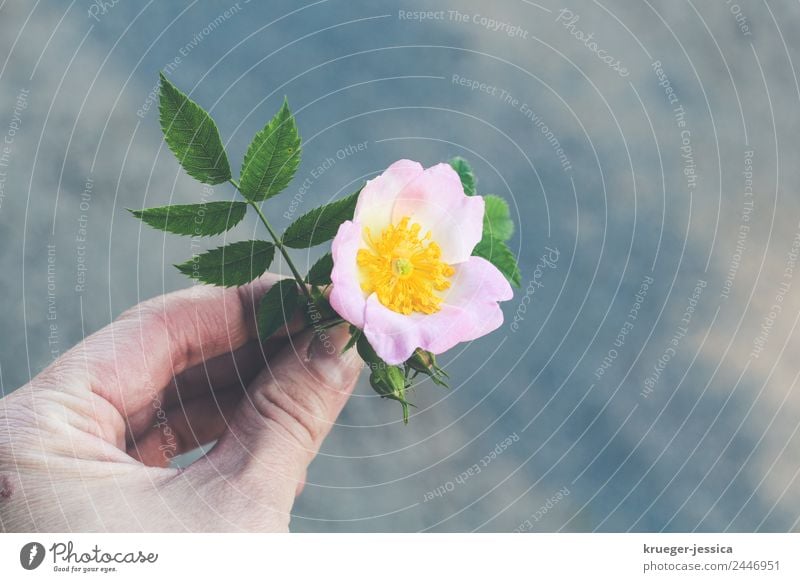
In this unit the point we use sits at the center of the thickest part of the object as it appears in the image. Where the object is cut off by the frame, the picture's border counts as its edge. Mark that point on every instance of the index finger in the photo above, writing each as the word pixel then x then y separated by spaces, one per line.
pixel 131 360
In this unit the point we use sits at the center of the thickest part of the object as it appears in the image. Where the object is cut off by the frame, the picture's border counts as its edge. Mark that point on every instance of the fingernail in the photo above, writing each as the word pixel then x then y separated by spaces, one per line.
pixel 325 354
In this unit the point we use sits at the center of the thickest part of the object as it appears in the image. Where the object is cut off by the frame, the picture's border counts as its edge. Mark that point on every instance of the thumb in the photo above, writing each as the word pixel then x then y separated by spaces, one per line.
pixel 286 414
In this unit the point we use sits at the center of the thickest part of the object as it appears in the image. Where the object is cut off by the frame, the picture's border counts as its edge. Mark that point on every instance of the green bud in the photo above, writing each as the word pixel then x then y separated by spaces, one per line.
pixel 425 363
pixel 390 382
pixel 421 361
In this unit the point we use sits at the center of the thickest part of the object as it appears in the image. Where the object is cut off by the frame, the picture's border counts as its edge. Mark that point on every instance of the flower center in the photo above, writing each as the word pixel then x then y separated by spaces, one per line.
pixel 404 269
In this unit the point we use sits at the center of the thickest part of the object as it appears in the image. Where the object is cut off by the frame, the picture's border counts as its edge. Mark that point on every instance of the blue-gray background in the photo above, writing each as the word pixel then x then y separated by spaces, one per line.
pixel 714 445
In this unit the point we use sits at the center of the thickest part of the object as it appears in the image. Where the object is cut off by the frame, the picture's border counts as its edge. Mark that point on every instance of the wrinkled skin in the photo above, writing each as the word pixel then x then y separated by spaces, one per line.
pixel 86 445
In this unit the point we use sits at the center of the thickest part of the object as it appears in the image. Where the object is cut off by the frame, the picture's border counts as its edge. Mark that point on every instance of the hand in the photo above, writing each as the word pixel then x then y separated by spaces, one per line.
pixel 86 445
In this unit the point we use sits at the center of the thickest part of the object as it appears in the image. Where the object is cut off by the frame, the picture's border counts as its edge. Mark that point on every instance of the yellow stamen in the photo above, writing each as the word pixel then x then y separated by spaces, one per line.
pixel 404 269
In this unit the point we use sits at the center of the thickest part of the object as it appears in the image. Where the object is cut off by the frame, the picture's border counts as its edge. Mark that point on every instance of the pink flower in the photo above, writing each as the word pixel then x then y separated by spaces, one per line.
pixel 403 270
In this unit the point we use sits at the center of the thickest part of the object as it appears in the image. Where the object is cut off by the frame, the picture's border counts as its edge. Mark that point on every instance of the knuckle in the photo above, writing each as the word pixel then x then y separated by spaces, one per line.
pixel 161 319
pixel 296 408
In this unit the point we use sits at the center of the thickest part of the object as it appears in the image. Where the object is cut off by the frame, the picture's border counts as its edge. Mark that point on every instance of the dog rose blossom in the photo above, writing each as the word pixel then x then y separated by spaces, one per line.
pixel 403 270
pixel 418 262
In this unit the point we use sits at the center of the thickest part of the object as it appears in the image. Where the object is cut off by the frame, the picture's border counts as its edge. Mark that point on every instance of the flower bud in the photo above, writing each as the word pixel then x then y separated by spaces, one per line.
pixel 390 382
pixel 424 362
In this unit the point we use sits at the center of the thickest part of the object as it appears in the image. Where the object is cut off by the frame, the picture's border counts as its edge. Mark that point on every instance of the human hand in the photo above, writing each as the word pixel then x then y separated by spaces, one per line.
pixel 86 445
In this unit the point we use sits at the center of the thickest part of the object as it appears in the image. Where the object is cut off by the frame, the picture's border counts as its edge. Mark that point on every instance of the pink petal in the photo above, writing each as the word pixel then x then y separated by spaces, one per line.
pixel 436 201
pixel 375 203
pixel 347 297
pixel 469 311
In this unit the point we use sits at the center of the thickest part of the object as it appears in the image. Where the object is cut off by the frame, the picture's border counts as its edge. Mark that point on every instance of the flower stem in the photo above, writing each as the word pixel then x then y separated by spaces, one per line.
pixel 278 243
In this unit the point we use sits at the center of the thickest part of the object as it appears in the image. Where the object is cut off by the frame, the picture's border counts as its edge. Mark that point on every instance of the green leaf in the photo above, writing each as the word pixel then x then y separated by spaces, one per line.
pixel 318 311
pixel 204 219
pixel 497 252
pixel 277 307
pixel 368 354
pixel 192 136
pixel 497 228
pixel 234 264
pixel 272 158
pixel 320 225
pixel 464 170
pixel 497 218
pixel 320 272
pixel 355 335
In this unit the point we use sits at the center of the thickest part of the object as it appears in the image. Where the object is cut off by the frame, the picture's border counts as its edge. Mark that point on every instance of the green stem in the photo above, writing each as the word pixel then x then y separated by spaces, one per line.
pixel 278 243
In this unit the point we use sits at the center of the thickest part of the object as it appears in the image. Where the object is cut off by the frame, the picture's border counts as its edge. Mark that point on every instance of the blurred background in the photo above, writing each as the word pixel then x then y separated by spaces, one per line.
pixel 646 376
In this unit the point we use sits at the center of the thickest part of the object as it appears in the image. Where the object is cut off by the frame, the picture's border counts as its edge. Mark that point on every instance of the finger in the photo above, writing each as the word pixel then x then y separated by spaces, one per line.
pixel 135 358
pixel 301 485
pixel 287 412
pixel 206 383
pixel 184 427
pixel 226 372
pixel 237 367
pixel 231 371
pixel 200 407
